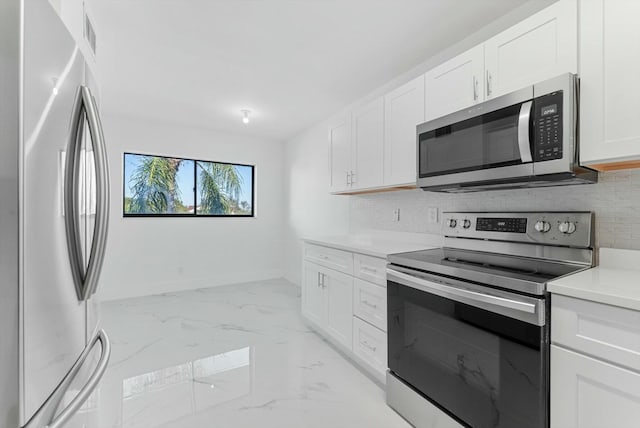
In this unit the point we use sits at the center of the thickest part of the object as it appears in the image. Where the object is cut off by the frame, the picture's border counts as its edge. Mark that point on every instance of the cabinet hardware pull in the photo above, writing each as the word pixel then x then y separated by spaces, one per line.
pixel 371 305
pixel 366 344
pixel 475 88
pixel 489 89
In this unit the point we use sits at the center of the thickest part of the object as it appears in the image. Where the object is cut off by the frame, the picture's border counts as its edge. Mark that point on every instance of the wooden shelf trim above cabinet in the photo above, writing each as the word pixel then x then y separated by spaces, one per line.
pixel 380 190
pixel 615 166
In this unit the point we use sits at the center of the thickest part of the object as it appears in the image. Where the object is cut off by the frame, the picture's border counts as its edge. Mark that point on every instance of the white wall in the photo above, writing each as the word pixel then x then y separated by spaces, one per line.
pixel 155 255
pixel 311 210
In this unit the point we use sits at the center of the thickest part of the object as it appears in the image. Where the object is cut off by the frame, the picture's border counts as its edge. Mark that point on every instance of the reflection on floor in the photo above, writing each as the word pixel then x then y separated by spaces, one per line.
pixel 229 357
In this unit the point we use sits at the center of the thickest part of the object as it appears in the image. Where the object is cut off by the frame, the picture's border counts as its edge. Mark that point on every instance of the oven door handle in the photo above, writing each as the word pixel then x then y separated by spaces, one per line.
pixel 528 312
pixel 524 124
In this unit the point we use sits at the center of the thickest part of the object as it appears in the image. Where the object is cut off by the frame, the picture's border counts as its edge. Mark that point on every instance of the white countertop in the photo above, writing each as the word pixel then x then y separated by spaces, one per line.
pixel 616 281
pixel 379 243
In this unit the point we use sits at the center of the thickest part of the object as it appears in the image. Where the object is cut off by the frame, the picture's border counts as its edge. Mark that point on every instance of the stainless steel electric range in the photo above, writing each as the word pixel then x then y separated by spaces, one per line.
pixel 469 323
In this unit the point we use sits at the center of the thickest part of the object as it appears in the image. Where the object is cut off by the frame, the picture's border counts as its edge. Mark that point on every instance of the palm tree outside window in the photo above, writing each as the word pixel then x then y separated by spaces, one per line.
pixel 164 186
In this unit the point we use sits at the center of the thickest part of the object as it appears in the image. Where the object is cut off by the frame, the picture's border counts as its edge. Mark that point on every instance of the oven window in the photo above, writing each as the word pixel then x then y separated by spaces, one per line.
pixel 486 141
pixel 485 369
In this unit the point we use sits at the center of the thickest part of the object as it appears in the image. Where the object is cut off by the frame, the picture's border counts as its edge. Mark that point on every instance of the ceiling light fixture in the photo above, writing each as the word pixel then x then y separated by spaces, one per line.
pixel 245 116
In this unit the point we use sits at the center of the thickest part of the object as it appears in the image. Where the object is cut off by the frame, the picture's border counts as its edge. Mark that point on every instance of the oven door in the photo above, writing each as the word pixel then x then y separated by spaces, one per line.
pixel 479 354
pixel 491 141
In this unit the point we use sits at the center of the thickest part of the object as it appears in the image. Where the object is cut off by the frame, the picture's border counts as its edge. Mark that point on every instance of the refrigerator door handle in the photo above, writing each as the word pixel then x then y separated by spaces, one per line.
pixel 86 279
pixel 99 242
pixel 44 417
pixel 71 185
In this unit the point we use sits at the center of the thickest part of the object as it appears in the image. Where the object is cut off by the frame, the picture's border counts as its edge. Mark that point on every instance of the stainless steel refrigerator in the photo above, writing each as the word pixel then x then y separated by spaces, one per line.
pixel 54 200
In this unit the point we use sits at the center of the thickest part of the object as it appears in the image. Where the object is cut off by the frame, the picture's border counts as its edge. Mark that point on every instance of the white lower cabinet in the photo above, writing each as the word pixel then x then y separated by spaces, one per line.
pixel 595 365
pixel 589 393
pixel 326 301
pixel 370 346
pixel 346 306
pixel 314 302
pixel 338 288
pixel 370 303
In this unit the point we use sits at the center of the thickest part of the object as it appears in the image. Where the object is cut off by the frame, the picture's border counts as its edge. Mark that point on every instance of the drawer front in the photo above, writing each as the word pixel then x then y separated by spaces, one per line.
pixel 370 345
pixel 606 332
pixel 370 303
pixel 329 257
pixel 371 269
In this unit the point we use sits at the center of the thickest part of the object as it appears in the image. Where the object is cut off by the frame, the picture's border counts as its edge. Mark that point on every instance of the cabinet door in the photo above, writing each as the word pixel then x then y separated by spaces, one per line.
pixel 368 135
pixel 609 83
pixel 542 46
pixel 403 111
pixel 339 293
pixel 456 84
pixel 589 393
pixel 314 301
pixel 339 153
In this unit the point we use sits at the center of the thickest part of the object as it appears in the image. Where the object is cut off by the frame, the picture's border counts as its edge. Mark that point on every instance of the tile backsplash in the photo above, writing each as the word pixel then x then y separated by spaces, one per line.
pixel 615 200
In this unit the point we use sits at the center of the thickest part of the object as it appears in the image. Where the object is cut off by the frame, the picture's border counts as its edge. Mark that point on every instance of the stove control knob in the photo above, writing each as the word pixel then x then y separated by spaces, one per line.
pixel 542 226
pixel 567 227
pixel 466 223
pixel 452 222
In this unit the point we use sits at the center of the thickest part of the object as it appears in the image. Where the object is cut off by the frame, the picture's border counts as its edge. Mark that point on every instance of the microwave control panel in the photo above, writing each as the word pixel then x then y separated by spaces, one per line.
pixel 547 126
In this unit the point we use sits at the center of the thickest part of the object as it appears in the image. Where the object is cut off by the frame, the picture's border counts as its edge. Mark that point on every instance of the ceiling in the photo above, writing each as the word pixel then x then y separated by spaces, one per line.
pixel 291 62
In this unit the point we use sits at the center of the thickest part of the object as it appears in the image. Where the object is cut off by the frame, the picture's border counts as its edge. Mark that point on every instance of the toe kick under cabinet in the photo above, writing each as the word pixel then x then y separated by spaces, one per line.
pixel 595 365
pixel 344 297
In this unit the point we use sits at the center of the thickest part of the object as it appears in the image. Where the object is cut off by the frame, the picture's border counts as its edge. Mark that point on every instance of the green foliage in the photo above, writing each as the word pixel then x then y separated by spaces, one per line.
pixel 220 186
pixel 154 186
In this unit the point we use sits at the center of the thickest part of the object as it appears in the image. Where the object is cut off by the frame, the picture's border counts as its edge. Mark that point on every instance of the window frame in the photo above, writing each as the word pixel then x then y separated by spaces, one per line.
pixel 195 190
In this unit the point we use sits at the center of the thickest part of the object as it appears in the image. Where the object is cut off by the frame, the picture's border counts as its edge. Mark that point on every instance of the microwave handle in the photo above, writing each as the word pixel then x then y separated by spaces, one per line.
pixel 524 122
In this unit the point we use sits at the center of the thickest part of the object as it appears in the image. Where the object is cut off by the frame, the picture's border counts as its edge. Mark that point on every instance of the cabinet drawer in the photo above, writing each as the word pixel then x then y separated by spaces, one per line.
pixel 606 332
pixel 329 257
pixel 370 345
pixel 371 269
pixel 370 303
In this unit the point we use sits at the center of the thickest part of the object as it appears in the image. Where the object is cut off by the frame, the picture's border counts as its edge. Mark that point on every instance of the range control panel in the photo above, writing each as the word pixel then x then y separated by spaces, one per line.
pixel 555 228
pixel 547 126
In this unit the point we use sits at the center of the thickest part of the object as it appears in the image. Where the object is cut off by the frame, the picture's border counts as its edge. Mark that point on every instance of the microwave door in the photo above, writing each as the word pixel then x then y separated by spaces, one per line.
pixel 487 146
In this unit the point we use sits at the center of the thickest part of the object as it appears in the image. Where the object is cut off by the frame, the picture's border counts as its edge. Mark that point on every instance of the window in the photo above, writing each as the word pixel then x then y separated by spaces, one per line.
pixel 177 187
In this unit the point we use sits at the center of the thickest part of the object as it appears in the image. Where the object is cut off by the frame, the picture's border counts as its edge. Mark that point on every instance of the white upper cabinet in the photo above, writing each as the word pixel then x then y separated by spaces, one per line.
pixel 609 83
pixel 455 84
pixel 368 136
pixel 377 149
pixel 540 47
pixel 340 153
pixel 403 111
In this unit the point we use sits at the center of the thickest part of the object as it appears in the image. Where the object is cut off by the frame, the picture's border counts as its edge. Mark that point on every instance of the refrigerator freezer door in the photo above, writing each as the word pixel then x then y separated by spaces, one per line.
pixel 54 320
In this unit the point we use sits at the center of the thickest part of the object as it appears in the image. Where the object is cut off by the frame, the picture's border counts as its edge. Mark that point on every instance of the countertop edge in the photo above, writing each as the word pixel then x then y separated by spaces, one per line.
pixel 594 296
pixel 368 250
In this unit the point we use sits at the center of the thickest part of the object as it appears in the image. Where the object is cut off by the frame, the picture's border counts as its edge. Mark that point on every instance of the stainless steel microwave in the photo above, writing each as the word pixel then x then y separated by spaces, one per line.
pixel 527 138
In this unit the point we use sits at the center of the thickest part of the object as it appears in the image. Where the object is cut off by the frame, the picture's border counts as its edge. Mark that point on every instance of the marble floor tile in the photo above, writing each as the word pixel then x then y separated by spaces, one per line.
pixel 237 356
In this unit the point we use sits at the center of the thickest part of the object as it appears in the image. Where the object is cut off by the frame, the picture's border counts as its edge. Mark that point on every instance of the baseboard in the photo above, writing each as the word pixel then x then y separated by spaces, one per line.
pixel 152 289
